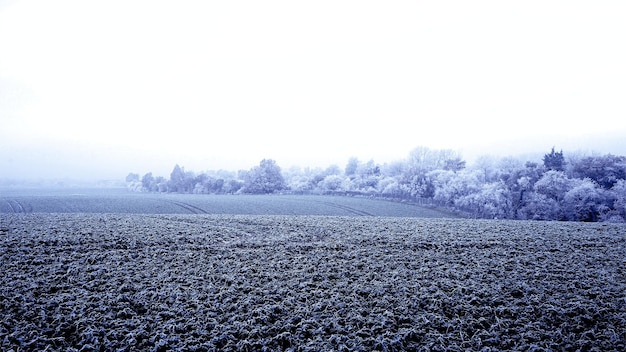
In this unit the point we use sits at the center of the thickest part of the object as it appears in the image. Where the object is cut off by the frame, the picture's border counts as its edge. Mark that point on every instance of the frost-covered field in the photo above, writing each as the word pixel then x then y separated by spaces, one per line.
pixel 99 201
pixel 225 282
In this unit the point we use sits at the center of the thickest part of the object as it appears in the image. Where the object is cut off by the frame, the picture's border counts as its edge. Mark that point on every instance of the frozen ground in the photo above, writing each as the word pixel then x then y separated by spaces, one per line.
pixel 121 201
pixel 224 282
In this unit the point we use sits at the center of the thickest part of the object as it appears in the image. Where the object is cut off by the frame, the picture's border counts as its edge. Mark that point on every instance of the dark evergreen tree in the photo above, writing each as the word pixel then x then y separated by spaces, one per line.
pixel 554 160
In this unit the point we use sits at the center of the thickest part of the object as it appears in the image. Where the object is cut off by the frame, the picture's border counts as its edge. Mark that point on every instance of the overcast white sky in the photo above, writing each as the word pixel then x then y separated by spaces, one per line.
pixel 101 88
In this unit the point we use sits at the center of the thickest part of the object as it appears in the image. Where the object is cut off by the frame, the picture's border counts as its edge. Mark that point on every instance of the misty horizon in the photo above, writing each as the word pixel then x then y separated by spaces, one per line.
pixel 74 175
pixel 218 86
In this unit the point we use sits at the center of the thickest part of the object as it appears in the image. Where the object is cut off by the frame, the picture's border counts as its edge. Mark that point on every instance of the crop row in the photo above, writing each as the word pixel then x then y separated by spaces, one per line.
pixel 211 204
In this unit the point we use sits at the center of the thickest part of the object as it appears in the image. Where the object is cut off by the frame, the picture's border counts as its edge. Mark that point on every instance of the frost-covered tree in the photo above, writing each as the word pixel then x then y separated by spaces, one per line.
pixel 390 187
pixel 315 180
pixel 584 201
pixel 454 164
pixel 449 186
pixel 333 183
pixel 181 181
pixel 132 183
pixel 232 186
pixel 396 190
pixel 177 179
pixel 265 178
pixel 492 201
pixel 553 184
pixel 205 184
pixel 317 175
pixel 393 169
pixel 418 185
pixel 368 169
pixel 618 195
pixel 132 177
pixel 351 167
pixel 199 189
pixel 214 185
pixel 521 183
pixel 296 180
pixel 134 186
pixel 487 165
pixel 507 168
pixel 605 170
pixel 366 177
pixel 332 170
pixel 423 159
pixel 538 206
pixel 531 171
pixel 161 183
pixel 148 183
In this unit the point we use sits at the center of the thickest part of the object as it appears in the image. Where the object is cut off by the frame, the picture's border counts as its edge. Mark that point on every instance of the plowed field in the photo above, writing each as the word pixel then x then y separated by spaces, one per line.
pixel 98 201
pixel 124 282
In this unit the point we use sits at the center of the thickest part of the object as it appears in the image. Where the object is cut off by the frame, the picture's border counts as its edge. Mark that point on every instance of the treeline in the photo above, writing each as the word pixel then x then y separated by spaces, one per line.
pixel 573 188
pixel 262 179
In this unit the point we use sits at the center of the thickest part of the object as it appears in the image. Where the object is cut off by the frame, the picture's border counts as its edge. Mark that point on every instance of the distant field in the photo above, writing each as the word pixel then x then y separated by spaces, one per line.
pixel 150 282
pixel 119 201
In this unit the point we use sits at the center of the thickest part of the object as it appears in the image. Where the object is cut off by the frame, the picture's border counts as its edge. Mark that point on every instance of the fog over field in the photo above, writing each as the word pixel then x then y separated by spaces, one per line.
pixel 312 176
pixel 95 90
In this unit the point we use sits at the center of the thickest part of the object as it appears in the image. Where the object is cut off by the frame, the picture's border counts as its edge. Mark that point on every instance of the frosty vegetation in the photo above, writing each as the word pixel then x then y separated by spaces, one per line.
pixel 138 282
pixel 574 188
